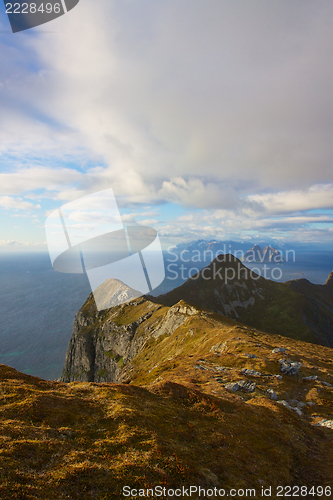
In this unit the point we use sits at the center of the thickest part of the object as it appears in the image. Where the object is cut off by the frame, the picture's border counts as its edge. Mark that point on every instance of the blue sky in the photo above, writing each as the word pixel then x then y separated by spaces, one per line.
pixel 209 119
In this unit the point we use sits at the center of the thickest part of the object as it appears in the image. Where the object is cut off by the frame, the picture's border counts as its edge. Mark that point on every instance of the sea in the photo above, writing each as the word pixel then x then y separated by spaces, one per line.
pixel 38 304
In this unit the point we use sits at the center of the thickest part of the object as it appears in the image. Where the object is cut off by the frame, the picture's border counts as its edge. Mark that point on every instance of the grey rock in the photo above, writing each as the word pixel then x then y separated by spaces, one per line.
pixel 251 356
pixel 310 378
pixel 289 367
pixel 325 423
pixel 284 403
pixel 112 293
pixel 279 349
pixel 250 373
pixel 290 407
pixel 272 393
pixel 325 383
pixel 203 367
pixel 232 386
pixel 101 351
pixel 246 385
pixel 220 347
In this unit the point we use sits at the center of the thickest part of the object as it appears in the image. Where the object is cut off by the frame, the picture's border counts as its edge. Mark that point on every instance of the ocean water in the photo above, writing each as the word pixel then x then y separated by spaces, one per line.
pixel 38 304
pixel 313 266
pixel 37 309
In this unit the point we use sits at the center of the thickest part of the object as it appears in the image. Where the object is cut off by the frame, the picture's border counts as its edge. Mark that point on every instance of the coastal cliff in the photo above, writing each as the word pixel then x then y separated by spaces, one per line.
pixel 104 343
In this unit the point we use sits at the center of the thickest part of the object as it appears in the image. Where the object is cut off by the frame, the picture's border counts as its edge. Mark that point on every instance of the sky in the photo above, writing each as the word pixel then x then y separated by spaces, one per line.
pixel 208 118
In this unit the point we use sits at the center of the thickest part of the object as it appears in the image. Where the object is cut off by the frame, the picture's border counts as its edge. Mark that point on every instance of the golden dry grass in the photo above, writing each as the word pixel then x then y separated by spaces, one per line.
pixel 174 424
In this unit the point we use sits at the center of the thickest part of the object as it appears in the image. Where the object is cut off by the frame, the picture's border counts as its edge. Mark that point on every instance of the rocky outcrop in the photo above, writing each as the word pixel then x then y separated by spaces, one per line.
pixel 104 343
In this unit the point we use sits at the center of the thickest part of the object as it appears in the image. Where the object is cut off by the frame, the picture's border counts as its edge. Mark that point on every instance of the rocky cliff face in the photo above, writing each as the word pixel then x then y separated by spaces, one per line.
pixel 143 343
pixel 104 343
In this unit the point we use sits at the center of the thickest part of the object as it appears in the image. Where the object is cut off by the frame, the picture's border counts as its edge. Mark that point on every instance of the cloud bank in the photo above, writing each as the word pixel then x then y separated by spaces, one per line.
pixel 222 107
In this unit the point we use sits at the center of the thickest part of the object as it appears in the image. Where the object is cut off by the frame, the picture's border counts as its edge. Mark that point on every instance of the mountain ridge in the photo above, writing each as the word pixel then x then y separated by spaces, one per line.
pixel 261 255
pixel 175 395
pixel 293 308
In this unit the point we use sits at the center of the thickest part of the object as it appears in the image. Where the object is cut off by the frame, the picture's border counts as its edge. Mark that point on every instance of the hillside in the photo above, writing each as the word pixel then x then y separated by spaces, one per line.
pixel 171 396
pixel 177 418
pixel 295 309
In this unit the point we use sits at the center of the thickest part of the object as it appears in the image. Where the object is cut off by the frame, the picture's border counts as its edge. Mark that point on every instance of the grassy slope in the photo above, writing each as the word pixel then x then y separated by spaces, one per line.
pixel 174 424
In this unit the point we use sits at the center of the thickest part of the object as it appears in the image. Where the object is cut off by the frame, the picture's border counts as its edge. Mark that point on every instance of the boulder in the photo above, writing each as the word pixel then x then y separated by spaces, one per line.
pixel 272 393
pixel 325 423
pixel 287 405
pixel 232 386
pixel 289 367
pixel 246 385
pixel 250 373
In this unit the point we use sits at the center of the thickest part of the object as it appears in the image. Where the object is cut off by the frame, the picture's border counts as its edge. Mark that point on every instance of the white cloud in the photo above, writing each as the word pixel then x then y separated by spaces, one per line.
pixel 10 203
pixel 196 193
pixel 31 179
pixel 15 243
pixel 225 107
pixel 317 196
pixel 179 89
pixel 148 222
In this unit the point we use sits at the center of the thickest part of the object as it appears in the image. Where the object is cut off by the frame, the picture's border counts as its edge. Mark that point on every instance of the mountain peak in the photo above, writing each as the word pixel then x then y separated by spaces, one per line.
pixel 226 286
pixel 268 254
pixel 112 293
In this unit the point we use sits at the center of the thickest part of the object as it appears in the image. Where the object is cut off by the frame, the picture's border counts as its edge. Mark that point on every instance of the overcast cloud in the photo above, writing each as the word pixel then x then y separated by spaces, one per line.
pixel 211 104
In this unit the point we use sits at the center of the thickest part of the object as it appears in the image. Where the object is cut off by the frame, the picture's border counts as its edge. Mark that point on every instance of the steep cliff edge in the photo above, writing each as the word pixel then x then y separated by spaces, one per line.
pixel 104 343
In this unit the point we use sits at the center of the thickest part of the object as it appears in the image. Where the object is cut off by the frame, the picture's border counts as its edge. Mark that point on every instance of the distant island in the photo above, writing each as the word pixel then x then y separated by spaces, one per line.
pixel 267 254
pixel 202 250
